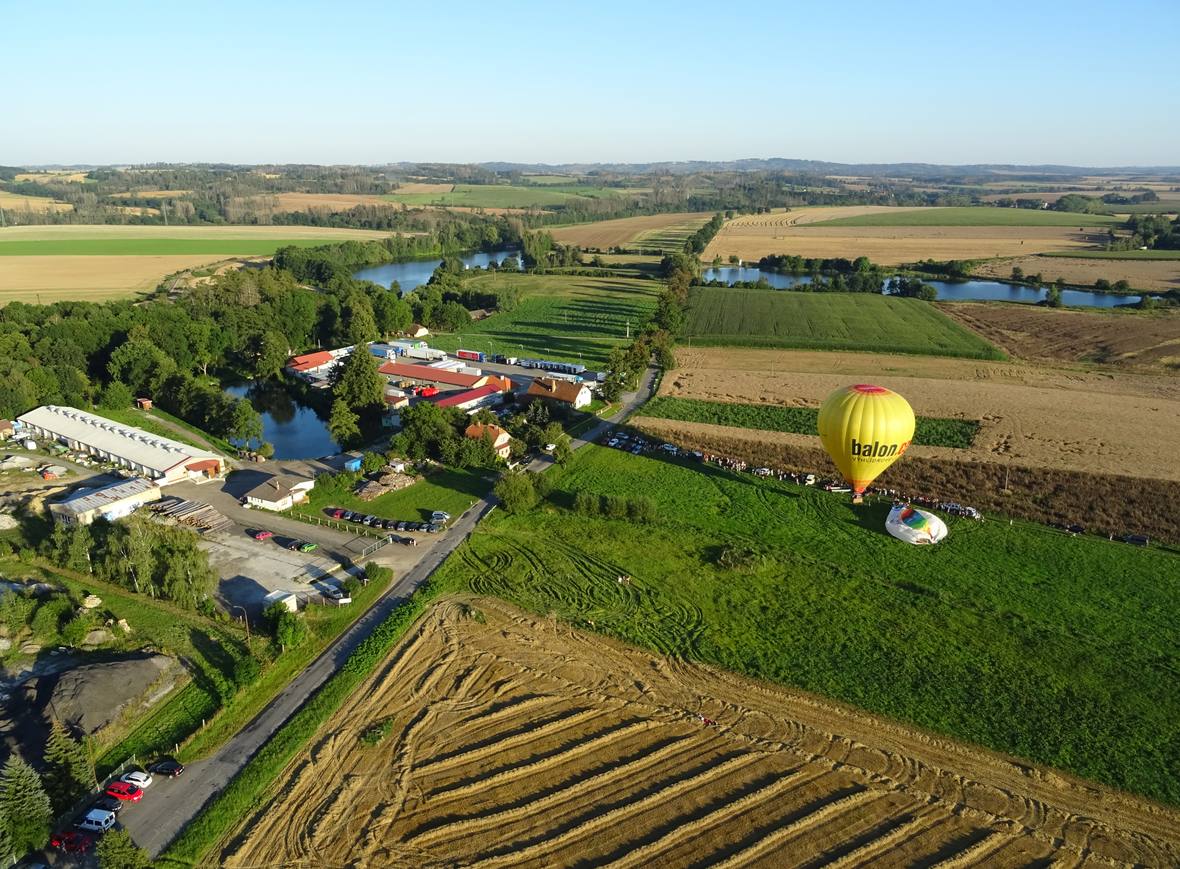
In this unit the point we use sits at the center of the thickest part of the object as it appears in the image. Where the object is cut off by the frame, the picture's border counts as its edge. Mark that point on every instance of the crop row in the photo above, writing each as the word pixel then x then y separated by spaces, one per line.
pixel 930 431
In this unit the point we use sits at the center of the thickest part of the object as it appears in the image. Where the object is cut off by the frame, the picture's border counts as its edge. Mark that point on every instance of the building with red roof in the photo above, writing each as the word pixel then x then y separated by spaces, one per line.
pixel 426 374
pixel 472 399
pixel 310 362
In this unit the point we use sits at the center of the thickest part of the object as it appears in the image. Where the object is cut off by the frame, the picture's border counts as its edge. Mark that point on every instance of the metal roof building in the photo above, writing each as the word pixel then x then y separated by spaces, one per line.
pixel 158 458
pixel 112 501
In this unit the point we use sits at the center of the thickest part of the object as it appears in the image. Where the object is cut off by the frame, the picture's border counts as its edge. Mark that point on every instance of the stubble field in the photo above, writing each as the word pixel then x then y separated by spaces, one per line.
pixel 1030 415
pixel 1083 271
pixel 894 235
pixel 625 230
pixel 18 202
pixel 496 742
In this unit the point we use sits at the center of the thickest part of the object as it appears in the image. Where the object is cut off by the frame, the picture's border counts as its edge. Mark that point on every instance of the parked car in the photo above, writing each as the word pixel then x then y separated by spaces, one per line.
pixel 434 528
pixel 388 524
pixel 124 790
pixel 401 526
pixel 308 546
pixel 294 545
pixel 336 513
pixel 440 516
pixel 338 596
pixel 138 778
pixel 97 821
pixel 262 535
pixel 72 842
pixel 108 804
pixel 348 516
pixel 167 767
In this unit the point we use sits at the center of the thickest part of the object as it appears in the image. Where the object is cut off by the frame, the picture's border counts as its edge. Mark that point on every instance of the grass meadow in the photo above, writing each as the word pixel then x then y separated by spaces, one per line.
pixel 930 431
pixel 565 317
pixel 971 216
pixel 1059 649
pixel 827 321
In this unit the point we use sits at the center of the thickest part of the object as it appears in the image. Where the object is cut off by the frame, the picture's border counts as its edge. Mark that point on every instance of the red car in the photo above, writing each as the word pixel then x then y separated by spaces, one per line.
pixel 72 842
pixel 124 790
pixel 263 535
pixel 337 512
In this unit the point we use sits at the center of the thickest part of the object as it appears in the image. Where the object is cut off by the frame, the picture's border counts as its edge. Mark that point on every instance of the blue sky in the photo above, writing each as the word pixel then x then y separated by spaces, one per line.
pixel 367 82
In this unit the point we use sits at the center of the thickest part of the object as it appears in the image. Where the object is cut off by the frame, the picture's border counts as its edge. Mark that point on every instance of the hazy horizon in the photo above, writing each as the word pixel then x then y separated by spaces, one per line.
pixel 366 83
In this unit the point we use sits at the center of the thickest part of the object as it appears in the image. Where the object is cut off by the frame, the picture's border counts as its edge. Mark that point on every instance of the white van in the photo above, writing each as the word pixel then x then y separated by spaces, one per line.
pixel 97 821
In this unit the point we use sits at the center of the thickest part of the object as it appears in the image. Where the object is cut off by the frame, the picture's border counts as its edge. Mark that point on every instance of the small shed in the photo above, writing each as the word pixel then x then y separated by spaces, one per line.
pixel 286 598
pixel 353 463
pixel 143 403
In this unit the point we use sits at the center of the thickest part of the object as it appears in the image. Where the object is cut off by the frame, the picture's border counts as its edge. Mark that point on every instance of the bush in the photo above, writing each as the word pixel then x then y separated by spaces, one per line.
pixel 641 510
pixel 246 670
pixel 516 492
pixel 287 628
pixel 587 503
pixel 615 507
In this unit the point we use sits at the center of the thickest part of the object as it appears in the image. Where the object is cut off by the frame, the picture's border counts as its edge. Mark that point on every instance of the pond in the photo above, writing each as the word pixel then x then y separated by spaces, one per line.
pixel 414 273
pixel 291 426
pixel 948 291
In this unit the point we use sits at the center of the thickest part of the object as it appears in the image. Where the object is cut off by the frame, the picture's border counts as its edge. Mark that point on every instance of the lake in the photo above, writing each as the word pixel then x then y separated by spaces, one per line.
pixel 948 291
pixel 414 273
pixel 291 426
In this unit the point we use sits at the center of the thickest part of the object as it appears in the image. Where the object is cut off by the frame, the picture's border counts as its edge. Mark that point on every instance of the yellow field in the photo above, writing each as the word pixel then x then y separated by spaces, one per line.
pixel 17 202
pixel 757 235
pixel 150 194
pixel 423 187
pixel 328 201
pixel 1142 274
pixel 71 177
pixel 620 232
pixel 48 279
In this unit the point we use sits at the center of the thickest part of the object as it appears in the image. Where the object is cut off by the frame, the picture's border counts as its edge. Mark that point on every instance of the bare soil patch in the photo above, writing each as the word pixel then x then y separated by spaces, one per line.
pixel 616 233
pixel 1099 421
pixel 1141 274
pixel 1131 339
pixel 514 740
pixel 328 201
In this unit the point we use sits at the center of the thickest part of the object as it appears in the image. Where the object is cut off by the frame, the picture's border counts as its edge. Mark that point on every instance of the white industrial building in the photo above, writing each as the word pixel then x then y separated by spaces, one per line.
pixel 110 502
pixel 158 458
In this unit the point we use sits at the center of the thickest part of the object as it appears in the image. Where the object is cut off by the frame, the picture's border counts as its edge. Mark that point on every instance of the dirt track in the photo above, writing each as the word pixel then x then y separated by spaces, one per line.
pixel 514 740
pixel 1036 416
pixel 757 235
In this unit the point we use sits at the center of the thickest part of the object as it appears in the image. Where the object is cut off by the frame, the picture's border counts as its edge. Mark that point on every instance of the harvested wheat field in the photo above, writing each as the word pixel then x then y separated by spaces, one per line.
pixel 423 187
pixel 47 279
pixel 150 194
pixel 757 235
pixel 1142 274
pixel 18 202
pixel 328 201
pixel 1079 420
pixel 620 232
pixel 118 231
pixel 1131 339
pixel 513 740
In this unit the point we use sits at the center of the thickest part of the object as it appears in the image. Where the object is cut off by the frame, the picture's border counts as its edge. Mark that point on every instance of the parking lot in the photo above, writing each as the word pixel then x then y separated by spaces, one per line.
pixel 251 569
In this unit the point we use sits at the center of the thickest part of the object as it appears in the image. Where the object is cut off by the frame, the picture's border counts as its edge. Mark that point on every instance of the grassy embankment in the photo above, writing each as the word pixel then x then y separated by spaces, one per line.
pixel 563 317
pixel 971 216
pixel 930 431
pixel 827 321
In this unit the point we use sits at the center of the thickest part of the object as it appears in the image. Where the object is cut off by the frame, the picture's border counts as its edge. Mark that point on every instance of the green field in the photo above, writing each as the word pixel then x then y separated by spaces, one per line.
pixel 978 216
pixel 930 431
pixel 669 238
pixel 827 321
pixel 563 317
pixel 507 196
pixel 154 246
pixel 549 179
pixel 1117 254
pixel 1060 649
pixel 451 489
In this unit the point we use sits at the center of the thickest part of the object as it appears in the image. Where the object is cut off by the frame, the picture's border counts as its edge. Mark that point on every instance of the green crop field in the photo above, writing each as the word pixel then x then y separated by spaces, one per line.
pixel 1063 650
pixel 977 216
pixel 827 321
pixel 563 317
pixel 669 238
pixel 153 246
pixel 1117 254
pixel 505 196
pixel 930 431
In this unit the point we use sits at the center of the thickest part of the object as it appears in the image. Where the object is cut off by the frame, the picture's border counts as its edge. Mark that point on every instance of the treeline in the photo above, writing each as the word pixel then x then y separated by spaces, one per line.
pixel 699 240
pixel 1152 231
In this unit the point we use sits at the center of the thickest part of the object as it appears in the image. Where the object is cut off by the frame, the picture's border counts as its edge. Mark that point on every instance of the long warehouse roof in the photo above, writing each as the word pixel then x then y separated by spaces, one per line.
pixel 432 375
pixel 160 454
pixel 84 500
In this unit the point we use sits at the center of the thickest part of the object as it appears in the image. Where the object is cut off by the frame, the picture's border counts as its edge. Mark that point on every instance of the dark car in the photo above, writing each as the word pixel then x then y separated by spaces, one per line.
pixel 349 515
pixel 167 767
pixel 1136 539
pixel 388 524
pixel 434 528
pixel 109 804
pixel 401 525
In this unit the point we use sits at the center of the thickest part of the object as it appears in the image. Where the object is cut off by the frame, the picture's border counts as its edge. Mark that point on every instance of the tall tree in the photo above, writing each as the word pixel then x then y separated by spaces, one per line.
pixel 359 320
pixel 117 850
pixel 342 424
pixel 361 386
pixel 24 805
pixel 68 773
pixel 245 423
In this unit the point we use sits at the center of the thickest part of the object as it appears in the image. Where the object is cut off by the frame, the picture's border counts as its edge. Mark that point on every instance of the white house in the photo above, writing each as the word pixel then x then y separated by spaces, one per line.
pixel 278 493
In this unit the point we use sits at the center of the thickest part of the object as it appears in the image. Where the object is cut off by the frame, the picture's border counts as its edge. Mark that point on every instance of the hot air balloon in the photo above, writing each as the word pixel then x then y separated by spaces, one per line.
pixel 865 429
pixel 914 526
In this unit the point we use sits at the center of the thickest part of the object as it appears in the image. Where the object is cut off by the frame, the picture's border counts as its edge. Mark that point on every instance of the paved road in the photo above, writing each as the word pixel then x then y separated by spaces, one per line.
pixel 169 805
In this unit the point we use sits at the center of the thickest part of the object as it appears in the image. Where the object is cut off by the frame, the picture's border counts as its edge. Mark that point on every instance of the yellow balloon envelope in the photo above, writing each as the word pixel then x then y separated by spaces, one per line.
pixel 865 429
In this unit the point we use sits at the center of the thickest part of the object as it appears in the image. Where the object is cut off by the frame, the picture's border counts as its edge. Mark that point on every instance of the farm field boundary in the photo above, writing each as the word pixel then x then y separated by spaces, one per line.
pixel 491 736
pixel 969 216
pixel 952 433
pixel 827 321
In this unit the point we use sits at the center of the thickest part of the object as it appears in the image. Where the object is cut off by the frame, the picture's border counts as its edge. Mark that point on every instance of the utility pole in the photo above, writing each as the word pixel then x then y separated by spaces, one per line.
pixel 164 211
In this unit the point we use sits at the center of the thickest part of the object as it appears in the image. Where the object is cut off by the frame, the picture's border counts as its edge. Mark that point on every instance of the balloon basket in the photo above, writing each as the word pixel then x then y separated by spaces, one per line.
pixel 858 498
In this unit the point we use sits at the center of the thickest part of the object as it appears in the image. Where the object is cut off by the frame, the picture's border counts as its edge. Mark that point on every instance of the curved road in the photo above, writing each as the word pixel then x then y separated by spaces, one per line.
pixel 170 804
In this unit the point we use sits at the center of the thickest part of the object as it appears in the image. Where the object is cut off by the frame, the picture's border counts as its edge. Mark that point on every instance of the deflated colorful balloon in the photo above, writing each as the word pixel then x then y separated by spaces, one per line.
pixel 865 429
pixel 914 526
